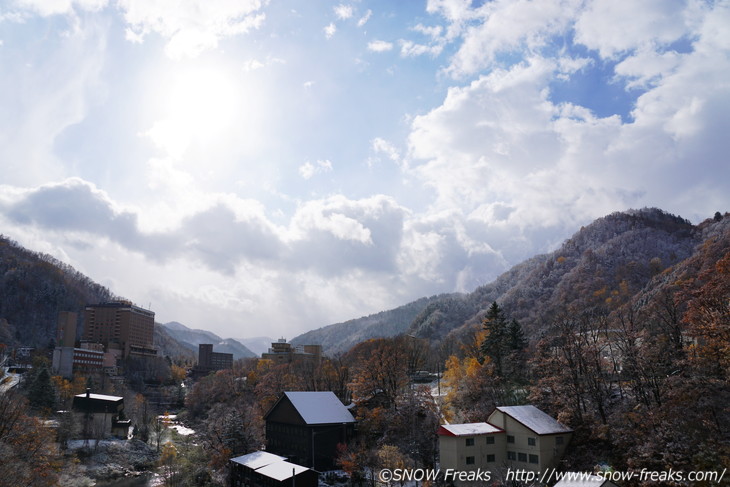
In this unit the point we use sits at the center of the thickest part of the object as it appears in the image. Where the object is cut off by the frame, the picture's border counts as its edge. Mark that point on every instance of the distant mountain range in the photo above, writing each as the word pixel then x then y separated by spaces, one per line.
pixel 191 338
pixel 604 265
pixel 257 345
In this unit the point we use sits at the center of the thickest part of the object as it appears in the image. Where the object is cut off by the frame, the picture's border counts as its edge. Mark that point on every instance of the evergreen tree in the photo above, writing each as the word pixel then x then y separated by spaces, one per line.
pixel 494 345
pixel 515 336
pixel 42 394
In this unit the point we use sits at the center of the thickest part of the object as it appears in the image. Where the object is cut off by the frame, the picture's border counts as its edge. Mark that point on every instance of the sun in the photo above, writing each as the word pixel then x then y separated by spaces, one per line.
pixel 201 106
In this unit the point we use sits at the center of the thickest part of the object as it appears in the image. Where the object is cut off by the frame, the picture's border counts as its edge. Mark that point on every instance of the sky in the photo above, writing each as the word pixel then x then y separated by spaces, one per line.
pixel 266 167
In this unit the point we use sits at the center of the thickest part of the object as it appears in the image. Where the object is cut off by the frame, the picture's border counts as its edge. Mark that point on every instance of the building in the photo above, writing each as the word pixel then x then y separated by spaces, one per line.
pixel 282 352
pixel 66 329
pixel 306 427
pixel 100 415
pixel 120 325
pixel 518 437
pixel 208 360
pixel 68 361
pixel 69 358
pixel 264 469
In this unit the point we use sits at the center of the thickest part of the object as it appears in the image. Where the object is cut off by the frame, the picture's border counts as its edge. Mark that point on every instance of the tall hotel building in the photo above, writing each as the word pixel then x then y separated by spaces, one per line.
pixel 120 325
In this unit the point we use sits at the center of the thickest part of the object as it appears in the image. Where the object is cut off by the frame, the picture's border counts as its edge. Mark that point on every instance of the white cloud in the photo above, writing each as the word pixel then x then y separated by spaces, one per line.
pixel 506 26
pixel 500 151
pixel 308 169
pixel 615 27
pixel 382 146
pixel 412 49
pixel 191 27
pixel 344 12
pixel 55 7
pixel 364 19
pixel 330 30
pixel 380 46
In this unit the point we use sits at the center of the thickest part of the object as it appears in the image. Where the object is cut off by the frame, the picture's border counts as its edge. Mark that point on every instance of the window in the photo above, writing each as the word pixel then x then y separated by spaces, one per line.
pixel 510 439
pixel 534 459
pixel 559 440
pixel 490 440
pixel 522 457
pixel 470 460
pixel 491 459
pixel 531 441
pixel 511 455
pixel 470 442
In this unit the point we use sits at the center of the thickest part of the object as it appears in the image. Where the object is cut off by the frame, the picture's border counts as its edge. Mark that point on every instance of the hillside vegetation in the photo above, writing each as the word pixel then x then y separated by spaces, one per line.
pixel 34 288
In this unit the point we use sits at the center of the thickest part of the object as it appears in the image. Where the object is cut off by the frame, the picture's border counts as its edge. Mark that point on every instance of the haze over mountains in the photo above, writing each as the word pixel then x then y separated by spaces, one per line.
pixel 606 264
pixel 192 338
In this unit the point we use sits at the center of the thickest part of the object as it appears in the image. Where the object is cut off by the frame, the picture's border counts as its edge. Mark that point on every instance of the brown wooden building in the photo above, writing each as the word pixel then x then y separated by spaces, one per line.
pixel 306 427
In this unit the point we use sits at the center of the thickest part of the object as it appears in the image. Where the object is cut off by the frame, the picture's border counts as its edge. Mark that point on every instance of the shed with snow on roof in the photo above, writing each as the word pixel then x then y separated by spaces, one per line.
pixel 264 469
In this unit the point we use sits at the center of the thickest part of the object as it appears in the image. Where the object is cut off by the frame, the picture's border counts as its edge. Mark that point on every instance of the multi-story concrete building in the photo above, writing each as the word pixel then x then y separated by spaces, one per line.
pixel 120 325
pixel 283 352
pixel 209 361
pixel 518 437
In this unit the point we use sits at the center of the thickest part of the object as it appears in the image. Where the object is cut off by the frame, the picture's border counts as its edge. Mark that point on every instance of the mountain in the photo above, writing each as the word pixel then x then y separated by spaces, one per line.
pixel 191 338
pixel 170 347
pixel 257 345
pixel 34 288
pixel 603 265
pixel 340 337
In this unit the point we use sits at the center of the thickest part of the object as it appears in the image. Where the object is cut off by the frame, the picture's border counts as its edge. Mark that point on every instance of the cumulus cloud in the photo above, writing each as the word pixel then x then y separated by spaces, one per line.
pixel 191 27
pixel 502 151
pixel 380 46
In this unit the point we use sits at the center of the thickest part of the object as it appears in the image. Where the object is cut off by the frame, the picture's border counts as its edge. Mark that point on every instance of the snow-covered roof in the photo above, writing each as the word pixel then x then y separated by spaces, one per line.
pixel 258 459
pixel 469 429
pixel 320 407
pixel 538 421
pixel 101 397
pixel 281 470
pixel 572 479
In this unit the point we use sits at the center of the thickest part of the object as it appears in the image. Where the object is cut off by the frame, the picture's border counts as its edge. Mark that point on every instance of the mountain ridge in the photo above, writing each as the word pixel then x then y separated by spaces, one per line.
pixel 191 338
pixel 603 264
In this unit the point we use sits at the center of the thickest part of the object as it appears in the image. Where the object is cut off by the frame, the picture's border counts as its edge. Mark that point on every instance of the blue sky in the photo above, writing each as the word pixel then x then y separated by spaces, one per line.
pixel 259 167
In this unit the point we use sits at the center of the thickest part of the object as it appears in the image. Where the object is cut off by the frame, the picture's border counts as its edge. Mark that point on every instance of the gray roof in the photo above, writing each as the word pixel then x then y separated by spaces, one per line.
pixel 320 407
pixel 469 429
pixel 258 459
pixel 538 421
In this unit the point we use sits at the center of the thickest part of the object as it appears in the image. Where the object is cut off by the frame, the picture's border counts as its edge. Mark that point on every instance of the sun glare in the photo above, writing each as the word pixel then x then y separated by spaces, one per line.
pixel 201 106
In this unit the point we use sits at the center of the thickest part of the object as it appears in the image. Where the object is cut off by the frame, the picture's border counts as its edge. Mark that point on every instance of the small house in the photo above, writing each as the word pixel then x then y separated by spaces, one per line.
pixel 306 428
pixel 100 415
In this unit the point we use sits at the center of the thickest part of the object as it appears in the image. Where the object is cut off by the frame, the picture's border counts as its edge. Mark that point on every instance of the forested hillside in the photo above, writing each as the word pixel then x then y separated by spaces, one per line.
pixel 340 337
pixel 604 264
pixel 34 288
